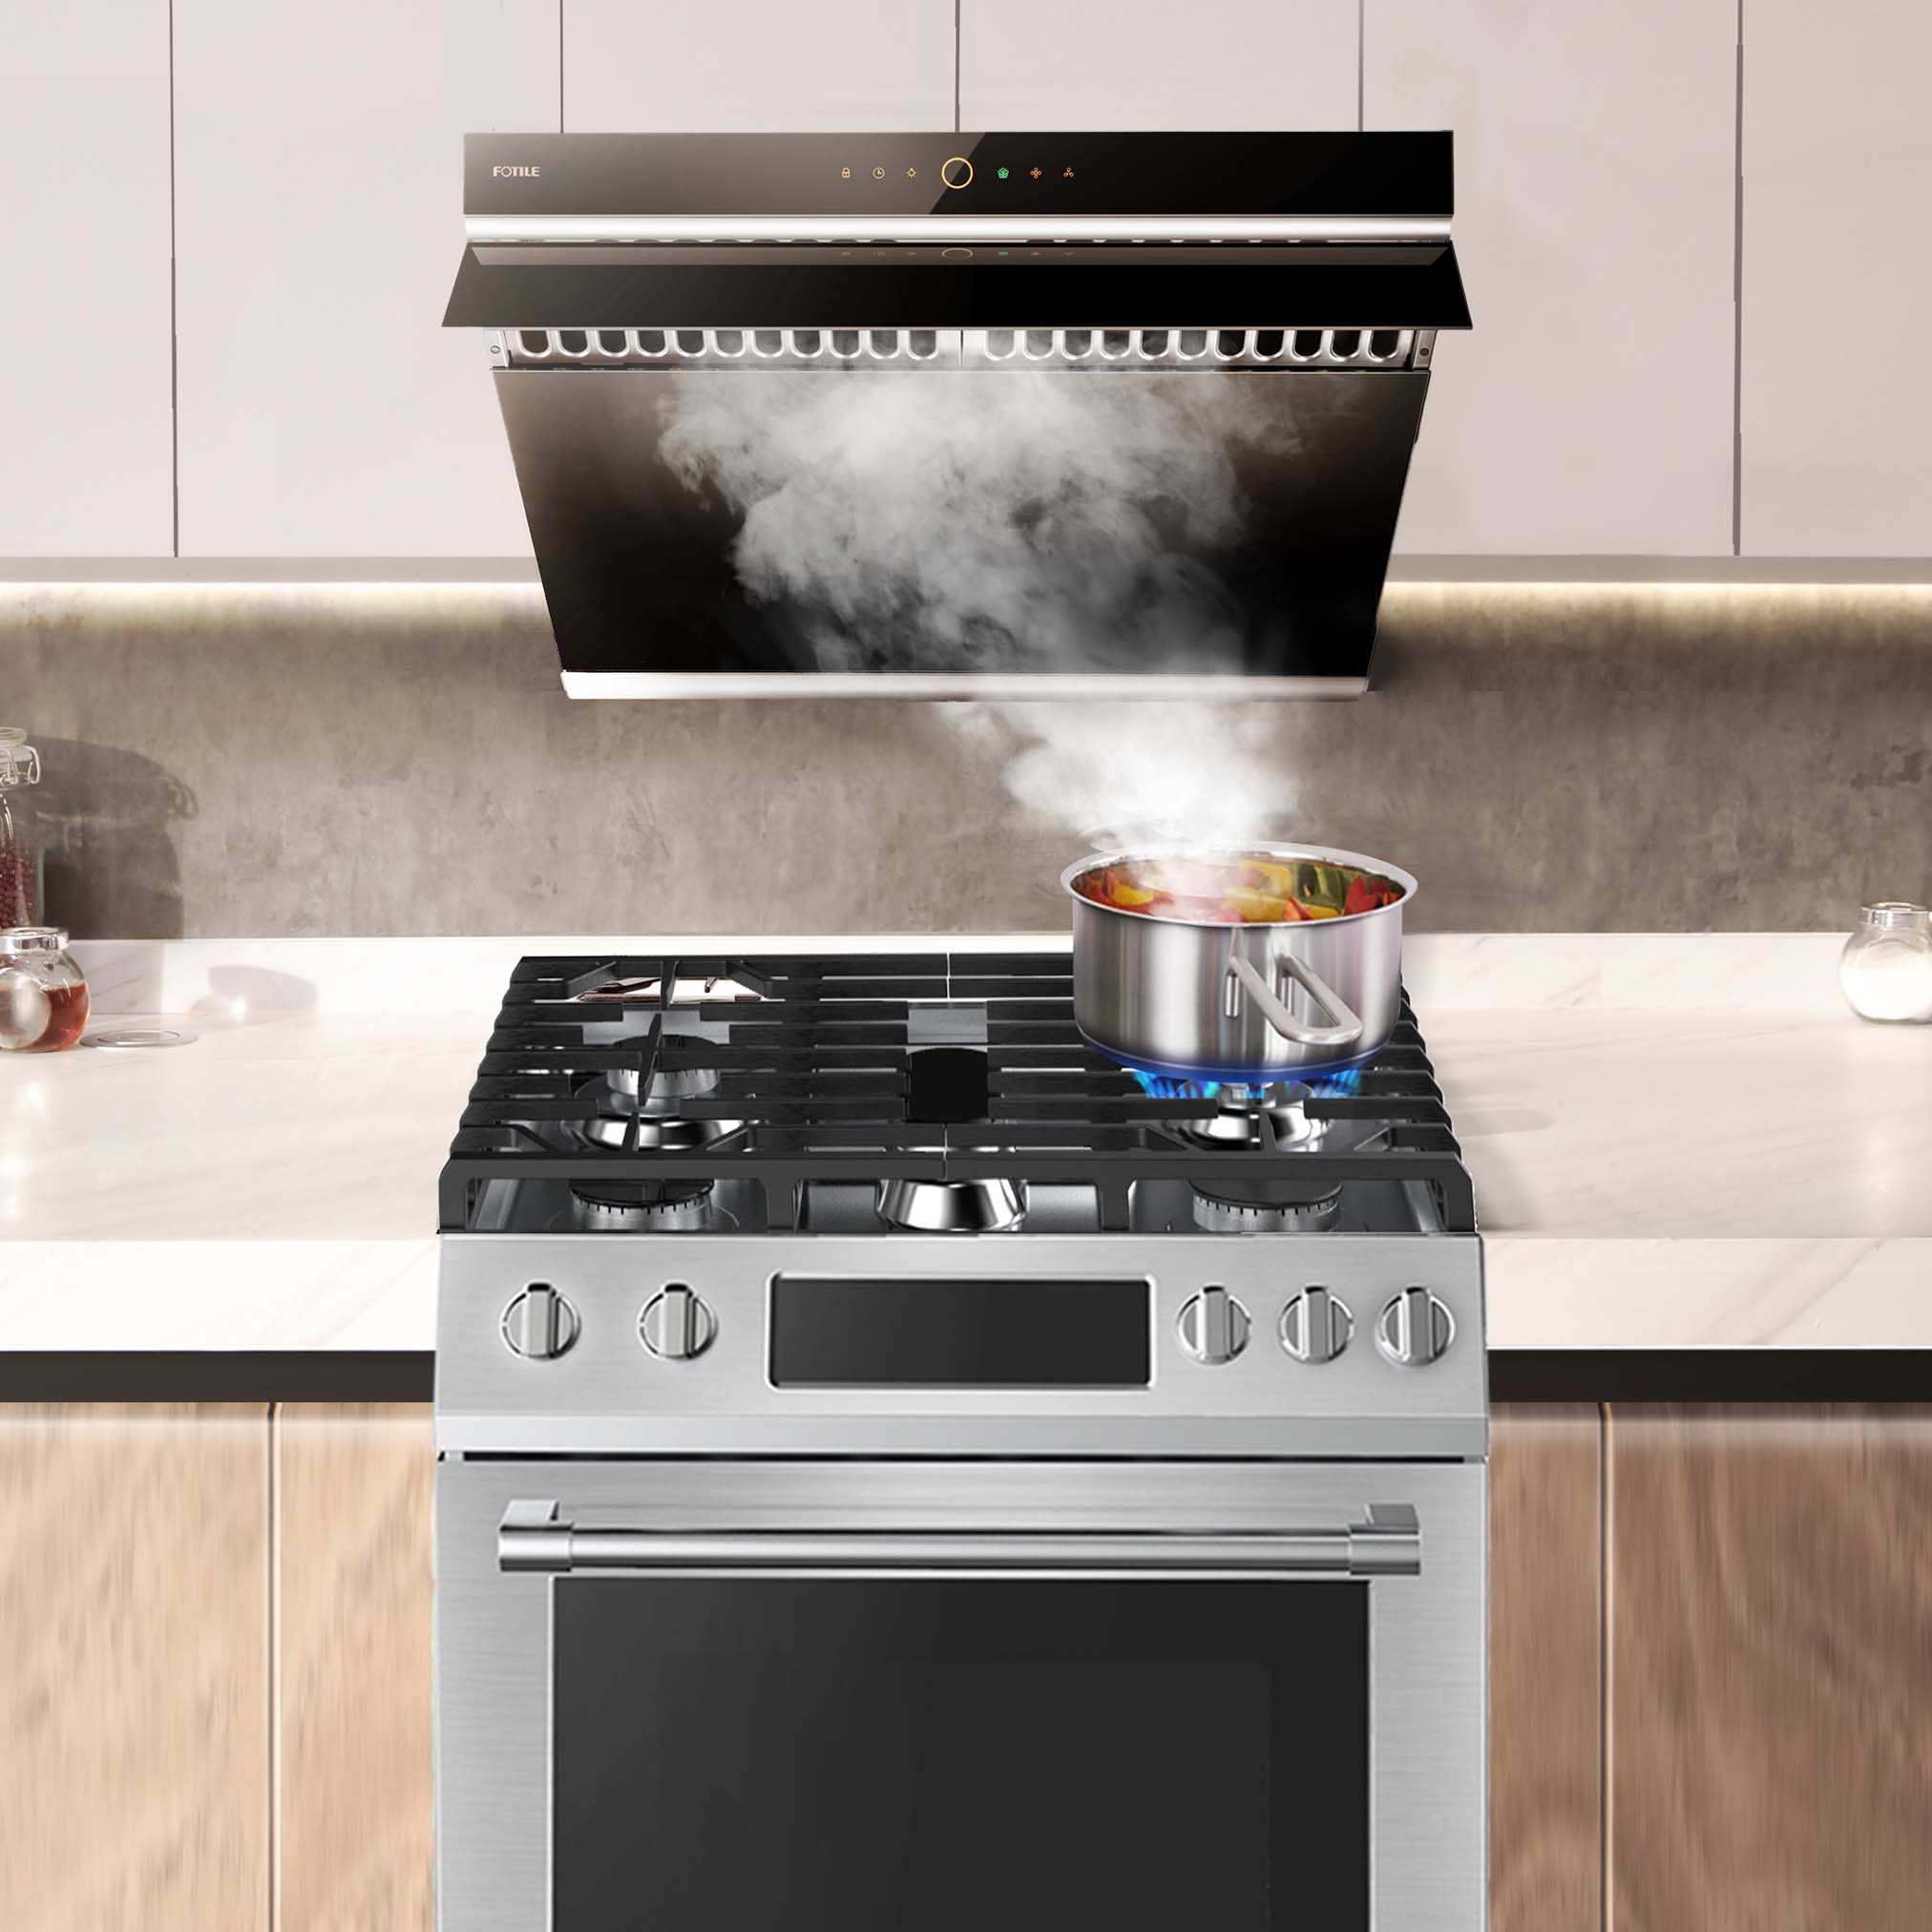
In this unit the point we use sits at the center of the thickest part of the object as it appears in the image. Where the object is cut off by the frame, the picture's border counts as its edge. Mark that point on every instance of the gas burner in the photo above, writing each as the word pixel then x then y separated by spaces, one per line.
pixel 654 1206
pixel 1267 1207
pixel 1238 1122
pixel 953 1207
pixel 661 1125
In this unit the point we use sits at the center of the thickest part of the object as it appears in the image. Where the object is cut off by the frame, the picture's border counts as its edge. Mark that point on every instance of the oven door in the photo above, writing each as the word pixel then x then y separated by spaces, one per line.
pixel 709 1699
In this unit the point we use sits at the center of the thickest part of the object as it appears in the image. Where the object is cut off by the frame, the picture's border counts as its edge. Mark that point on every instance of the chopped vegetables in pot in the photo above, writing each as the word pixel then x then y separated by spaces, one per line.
pixel 1238 890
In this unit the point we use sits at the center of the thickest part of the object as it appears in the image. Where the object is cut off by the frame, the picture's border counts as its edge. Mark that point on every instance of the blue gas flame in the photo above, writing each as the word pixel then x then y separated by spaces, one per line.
pixel 1344 1083
pixel 1165 1086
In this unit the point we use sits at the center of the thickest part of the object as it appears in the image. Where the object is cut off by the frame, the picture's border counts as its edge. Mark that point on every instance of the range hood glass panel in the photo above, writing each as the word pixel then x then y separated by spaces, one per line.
pixel 1326 285
pixel 963 522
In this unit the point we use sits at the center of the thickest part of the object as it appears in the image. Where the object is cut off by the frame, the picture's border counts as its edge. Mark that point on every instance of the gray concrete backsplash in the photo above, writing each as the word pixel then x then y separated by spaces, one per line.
pixel 260 760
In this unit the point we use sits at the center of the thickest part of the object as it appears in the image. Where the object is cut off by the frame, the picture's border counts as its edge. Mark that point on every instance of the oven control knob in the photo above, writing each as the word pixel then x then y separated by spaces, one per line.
pixel 677 1325
pixel 540 1325
pixel 1214 1327
pixel 1414 1329
pixel 1316 1326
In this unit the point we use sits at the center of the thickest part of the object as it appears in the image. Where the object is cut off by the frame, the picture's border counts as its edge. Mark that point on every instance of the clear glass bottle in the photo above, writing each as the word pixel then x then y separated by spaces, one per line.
pixel 1886 966
pixel 43 994
pixel 20 855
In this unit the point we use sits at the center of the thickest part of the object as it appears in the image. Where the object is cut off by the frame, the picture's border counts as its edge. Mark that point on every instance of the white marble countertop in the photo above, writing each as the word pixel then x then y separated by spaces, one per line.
pixel 1677 1141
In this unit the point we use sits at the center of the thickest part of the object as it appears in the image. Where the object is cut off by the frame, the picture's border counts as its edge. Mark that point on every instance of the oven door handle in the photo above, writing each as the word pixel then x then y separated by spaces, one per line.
pixel 538 1538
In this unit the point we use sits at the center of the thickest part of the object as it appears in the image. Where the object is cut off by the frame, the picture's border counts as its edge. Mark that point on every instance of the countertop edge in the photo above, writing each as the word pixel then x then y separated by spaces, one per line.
pixel 1589 1376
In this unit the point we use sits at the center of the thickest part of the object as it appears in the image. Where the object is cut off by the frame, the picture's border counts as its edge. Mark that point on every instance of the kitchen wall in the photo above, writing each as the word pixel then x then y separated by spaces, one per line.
pixel 228 760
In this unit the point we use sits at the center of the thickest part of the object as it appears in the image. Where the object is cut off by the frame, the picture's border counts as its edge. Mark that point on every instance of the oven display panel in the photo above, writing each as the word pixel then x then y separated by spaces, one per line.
pixel 966 1332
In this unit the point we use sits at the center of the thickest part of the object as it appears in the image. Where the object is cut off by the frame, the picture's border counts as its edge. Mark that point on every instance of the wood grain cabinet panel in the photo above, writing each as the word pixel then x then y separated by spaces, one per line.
pixel 134 1670
pixel 1771 1670
pixel 354 1737
pixel 1545 1670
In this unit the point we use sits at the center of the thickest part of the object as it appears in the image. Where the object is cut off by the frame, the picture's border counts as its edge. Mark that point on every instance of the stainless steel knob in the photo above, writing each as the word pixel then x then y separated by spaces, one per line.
pixel 1414 1329
pixel 540 1325
pixel 1214 1327
pixel 1316 1326
pixel 677 1324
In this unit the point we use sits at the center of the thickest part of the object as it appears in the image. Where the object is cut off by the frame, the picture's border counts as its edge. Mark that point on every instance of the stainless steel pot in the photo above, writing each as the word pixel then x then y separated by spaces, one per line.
pixel 1199 1000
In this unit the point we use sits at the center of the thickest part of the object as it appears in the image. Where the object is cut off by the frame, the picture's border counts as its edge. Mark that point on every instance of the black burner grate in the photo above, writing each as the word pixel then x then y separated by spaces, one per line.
pixel 834 1065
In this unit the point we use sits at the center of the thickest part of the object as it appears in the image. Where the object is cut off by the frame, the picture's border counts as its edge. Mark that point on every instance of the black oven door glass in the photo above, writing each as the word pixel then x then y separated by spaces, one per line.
pixel 933 1755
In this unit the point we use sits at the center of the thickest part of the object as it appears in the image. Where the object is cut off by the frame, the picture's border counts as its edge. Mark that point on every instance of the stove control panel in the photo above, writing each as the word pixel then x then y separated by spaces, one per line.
pixel 962 1345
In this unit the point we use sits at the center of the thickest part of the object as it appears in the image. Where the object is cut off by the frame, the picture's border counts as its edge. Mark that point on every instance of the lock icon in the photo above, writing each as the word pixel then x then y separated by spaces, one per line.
pixel 845 173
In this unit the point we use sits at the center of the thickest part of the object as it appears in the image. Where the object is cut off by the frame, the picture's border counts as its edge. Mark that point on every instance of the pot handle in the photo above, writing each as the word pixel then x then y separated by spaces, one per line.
pixel 1344 1028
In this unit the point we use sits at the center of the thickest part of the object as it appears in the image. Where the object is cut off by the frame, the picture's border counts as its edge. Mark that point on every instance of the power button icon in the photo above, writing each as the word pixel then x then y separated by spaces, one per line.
pixel 956 172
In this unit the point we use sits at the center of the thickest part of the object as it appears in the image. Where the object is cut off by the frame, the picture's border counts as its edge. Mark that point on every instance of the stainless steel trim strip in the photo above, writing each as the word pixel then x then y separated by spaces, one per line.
pixel 1007 685
pixel 954 228
pixel 534 1537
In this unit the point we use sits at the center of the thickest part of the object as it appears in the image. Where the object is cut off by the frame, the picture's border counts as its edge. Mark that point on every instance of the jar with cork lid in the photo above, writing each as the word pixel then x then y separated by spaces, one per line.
pixel 21 858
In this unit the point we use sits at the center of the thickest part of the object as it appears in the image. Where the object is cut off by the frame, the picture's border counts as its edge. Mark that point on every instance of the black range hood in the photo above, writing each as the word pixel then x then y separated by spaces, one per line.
pixel 980 533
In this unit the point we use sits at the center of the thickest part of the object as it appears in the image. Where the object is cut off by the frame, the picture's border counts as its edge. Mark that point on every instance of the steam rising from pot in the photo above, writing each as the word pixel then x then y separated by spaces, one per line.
pixel 1138 773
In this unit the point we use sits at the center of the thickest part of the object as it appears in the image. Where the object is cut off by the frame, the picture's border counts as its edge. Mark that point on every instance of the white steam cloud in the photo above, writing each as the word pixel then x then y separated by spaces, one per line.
pixel 1016 520
pixel 1141 771
pixel 1003 520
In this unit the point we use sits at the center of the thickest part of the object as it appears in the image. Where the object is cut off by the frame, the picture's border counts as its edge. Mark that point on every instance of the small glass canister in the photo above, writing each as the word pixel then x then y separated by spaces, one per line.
pixel 20 854
pixel 43 994
pixel 1886 966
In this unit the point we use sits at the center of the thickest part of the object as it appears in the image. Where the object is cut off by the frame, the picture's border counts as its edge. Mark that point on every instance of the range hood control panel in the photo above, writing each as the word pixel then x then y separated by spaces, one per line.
pixel 1234 173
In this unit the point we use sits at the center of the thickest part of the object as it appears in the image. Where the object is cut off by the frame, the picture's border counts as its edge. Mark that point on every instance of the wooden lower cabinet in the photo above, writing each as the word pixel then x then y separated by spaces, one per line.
pixel 1545 1669
pixel 134 1669
pixel 1771 1670
pixel 353 1729
pixel 216 1674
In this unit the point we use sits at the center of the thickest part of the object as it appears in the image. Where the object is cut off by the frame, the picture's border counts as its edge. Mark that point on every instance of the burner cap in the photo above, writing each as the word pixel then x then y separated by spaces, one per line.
pixel 669 1084
pixel 1238 1122
pixel 1267 1207
pixel 643 1203
pixel 953 1207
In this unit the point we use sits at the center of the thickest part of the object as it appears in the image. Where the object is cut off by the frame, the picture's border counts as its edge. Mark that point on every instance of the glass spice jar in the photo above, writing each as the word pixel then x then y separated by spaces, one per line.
pixel 20 854
pixel 43 994
pixel 1886 966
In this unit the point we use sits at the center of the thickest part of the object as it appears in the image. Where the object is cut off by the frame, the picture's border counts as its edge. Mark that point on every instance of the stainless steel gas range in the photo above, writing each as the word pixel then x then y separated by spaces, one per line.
pixel 902 1470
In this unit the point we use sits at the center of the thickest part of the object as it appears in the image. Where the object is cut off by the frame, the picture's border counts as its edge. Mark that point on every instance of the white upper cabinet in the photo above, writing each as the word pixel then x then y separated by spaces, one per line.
pixel 1149 64
pixel 86 426
pixel 681 66
pixel 1837 279
pixel 1590 409
pixel 324 410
